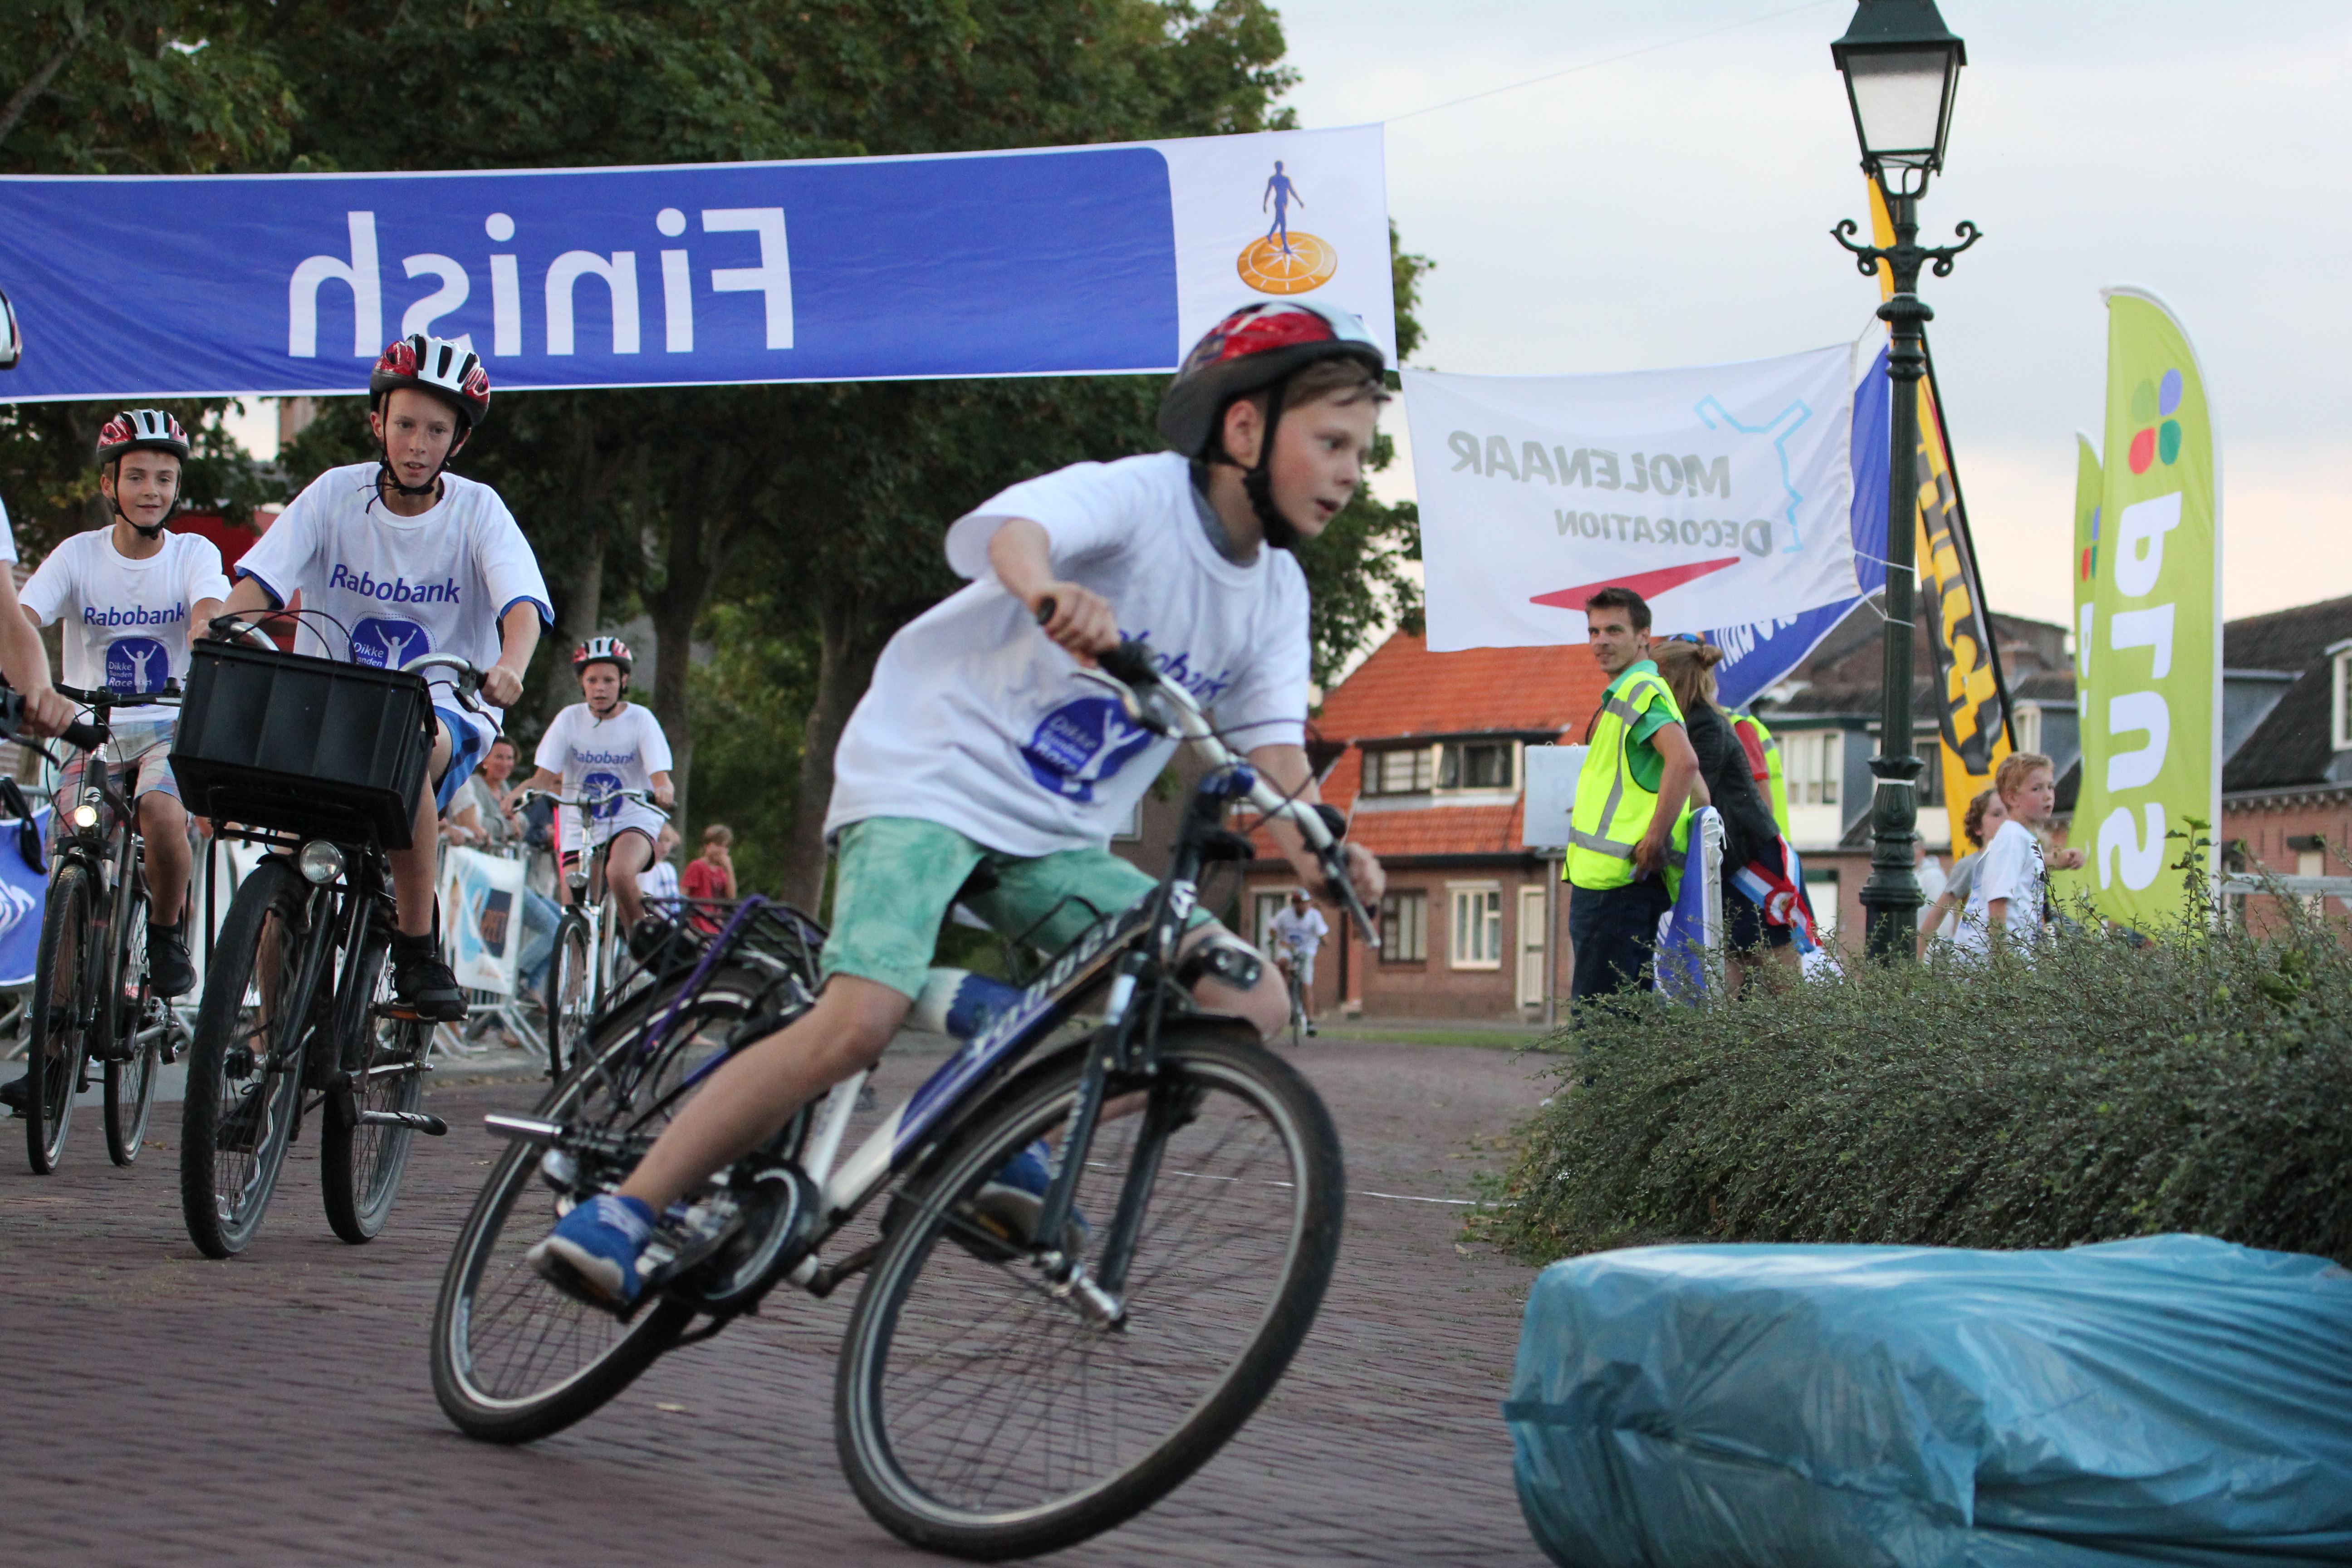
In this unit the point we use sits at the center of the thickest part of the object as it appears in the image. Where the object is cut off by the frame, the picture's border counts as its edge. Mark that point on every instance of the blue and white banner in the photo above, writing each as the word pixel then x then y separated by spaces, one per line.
pixel 1057 261
pixel 24 893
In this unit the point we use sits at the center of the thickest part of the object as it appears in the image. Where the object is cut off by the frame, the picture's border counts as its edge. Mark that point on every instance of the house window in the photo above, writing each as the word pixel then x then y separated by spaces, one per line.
pixel 1476 929
pixel 1268 906
pixel 1816 761
pixel 1476 765
pixel 1822 891
pixel 1399 769
pixel 2340 688
pixel 2025 721
pixel 1404 928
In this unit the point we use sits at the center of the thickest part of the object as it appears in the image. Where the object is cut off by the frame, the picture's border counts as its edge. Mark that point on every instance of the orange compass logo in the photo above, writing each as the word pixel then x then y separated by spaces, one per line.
pixel 1286 260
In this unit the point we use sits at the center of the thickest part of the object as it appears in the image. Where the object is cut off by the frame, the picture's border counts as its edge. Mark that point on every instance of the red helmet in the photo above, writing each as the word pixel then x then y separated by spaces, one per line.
pixel 141 430
pixel 601 650
pixel 438 366
pixel 1256 346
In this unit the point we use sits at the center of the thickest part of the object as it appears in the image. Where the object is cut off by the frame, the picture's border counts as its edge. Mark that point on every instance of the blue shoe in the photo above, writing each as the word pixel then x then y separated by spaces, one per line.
pixel 1010 1202
pixel 592 1254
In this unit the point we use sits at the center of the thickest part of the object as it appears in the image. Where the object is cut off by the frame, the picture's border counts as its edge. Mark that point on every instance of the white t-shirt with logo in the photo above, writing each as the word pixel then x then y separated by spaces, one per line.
pixel 977 722
pixel 596 756
pixel 126 621
pixel 398 587
pixel 1303 934
pixel 2011 868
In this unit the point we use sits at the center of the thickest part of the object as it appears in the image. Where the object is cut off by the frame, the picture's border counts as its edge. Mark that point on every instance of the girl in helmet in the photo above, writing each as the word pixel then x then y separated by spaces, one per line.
pixel 979 748
pixel 404 558
pixel 599 746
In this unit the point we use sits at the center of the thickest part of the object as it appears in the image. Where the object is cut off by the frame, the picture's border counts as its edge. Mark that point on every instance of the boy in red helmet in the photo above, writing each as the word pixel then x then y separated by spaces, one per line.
pixel 402 558
pixel 597 747
pixel 978 746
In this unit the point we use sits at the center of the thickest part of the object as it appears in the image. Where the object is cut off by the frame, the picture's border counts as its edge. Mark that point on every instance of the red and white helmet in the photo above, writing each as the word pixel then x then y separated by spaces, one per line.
pixel 1256 346
pixel 603 650
pixel 141 430
pixel 438 366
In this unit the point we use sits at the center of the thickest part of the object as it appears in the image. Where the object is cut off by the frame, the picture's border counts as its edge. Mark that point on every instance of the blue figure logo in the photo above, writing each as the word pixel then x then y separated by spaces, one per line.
pixel 388 644
pixel 135 664
pixel 1080 744
pixel 1281 193
pixel 593 785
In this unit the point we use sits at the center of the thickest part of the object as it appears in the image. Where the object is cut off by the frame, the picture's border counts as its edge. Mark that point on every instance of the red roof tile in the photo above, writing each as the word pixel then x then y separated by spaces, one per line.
pixel 1406 690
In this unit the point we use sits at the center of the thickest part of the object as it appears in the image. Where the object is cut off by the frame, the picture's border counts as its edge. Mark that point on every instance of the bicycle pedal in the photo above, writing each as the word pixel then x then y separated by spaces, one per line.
pixel 402 1011
pixel 414 1120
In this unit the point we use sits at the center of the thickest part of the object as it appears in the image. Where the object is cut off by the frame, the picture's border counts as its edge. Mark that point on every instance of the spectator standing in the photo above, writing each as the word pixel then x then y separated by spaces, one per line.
pixel 2011 892
pixel 1640 777
pixel 658 882
pixel 1749 831
pixel 482 815
pixel 711 874
pixel 1985 815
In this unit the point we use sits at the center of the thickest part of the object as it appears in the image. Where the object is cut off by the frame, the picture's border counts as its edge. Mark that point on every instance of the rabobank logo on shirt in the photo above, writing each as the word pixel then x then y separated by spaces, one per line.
pixel 1072 261
pixel 1080 744
pixel 137 664
pixel 601 783
pixel 388 644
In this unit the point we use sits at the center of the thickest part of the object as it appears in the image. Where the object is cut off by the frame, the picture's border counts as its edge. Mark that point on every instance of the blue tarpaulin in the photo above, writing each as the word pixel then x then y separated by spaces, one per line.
pixel 2170 1399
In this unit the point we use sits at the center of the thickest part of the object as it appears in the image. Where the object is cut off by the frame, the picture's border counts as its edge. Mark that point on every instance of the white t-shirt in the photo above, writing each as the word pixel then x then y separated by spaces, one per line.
pixel 399 587
pixel 2012 869
pixel 597 756
pixel 975 721
pixel 126 621
pixel 658 880
pixel 7 537
pixel 1303 934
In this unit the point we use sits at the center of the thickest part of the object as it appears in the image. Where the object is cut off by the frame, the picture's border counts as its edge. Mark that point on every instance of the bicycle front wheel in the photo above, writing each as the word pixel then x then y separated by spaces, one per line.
pixel 978 1413
pixel 571 995
pixel 137 1040
pixel 245 1065
pixel 62 1010
pixel 360 1163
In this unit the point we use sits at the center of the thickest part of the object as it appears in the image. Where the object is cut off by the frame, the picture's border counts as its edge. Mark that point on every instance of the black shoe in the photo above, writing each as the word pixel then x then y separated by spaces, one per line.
pixel 423 984
pixel 662 948
pixel 14 1092
pixel 240 1129
pixel 169 972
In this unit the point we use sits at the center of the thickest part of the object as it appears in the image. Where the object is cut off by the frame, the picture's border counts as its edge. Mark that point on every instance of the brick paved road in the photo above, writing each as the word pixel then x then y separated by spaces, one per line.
pixel 276 1410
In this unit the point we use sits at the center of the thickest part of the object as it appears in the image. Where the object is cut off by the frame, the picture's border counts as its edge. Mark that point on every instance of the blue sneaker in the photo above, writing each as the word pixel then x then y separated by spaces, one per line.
pixel 1009 1202
pixel 592 1254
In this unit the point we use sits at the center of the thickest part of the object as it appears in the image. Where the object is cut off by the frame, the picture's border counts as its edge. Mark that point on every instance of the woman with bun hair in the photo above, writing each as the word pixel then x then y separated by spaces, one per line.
pixel 1749 833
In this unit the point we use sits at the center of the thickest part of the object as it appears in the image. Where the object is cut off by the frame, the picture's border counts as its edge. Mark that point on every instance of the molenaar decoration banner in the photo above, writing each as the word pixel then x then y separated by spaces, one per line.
pixel 1720 493
pixel 1055 261
pixel 2150 654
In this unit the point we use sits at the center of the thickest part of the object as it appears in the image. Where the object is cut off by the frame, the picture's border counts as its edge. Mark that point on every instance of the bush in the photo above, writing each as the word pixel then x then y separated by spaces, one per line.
pixel 2193 1081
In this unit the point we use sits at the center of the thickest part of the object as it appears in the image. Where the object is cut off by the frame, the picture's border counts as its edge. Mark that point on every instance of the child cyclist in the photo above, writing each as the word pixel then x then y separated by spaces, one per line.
pixel 130 592
pixel 600 746
pixel 978 746
pixel 403 559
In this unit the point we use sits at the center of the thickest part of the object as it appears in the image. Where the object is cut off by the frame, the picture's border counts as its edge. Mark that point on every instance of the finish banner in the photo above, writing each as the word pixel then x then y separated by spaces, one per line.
pixel 1721 494
pixel 1057 261
pixel 2150 653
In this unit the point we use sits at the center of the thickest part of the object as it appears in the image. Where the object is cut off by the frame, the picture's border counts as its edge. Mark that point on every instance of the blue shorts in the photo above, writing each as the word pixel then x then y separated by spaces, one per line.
pixel 470 742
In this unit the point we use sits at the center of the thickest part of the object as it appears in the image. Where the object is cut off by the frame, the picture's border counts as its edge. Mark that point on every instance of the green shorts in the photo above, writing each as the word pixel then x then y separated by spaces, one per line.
pixel 898 876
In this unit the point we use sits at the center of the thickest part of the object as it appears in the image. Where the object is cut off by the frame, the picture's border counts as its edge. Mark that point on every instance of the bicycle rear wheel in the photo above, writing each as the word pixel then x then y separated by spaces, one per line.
pixel 514 1359
pixel 58 1038
pixel 570 995
pixel 245 1065
pixel 977 1414
pixel 136 1040
pixel 360 1164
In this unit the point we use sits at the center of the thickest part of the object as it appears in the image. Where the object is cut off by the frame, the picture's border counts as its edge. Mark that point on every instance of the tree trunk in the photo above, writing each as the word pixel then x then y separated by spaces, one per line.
pixel 846 658
pixel 703 532
pixel 580 594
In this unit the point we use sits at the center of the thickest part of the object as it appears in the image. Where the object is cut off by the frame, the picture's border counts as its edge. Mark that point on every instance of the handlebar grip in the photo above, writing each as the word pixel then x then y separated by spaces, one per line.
pixel 1130 662
pixel 1045 609
pixel 85 737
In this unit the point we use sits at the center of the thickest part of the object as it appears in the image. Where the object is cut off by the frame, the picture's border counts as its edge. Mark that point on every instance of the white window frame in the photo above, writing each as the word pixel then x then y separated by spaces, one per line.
pixel 1395 952
pixel 1375 769
pixel 1490 920
pixel 2339 714
pixel 1815 761
pixel 1437 767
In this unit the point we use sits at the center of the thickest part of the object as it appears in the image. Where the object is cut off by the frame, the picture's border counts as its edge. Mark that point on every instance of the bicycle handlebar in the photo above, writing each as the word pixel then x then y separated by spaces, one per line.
pixel 591 802
pixel 469 679
pixel 229 628
pixel 79 735
pixel 1131 665
pixel 107 697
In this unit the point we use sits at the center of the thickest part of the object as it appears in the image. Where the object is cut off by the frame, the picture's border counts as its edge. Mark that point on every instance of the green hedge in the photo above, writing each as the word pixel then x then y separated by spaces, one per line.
pixel 2108 1089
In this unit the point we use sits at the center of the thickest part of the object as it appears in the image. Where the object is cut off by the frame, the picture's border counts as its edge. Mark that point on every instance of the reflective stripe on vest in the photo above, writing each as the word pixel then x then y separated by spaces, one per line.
pixel 1779 784
pixel 1601 839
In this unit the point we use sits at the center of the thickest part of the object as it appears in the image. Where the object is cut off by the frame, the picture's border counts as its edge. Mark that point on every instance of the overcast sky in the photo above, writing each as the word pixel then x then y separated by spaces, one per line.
pixel 1673 208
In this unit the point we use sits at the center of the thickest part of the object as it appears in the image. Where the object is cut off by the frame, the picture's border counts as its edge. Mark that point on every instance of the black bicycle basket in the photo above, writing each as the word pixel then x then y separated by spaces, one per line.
pixel 302 745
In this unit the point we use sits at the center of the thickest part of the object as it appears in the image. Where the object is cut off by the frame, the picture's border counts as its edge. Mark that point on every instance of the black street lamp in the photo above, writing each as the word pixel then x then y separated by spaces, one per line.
pixel 1901 69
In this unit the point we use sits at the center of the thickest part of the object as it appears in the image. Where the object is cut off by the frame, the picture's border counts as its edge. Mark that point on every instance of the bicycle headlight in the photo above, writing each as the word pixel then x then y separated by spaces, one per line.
pixel 85 816
pixel 320 862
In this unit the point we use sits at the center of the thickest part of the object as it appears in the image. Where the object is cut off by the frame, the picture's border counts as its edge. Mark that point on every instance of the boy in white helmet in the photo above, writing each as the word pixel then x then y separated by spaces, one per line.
pixel 978 746
pixel 129 594
pixel 598 747
pixel 404 559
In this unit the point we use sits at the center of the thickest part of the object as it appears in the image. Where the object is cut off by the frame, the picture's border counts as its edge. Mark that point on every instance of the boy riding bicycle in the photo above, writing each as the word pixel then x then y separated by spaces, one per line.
pixel 599 747
pixel 980 768
pixel 399 558
pixel 1299 933
pixel 130 592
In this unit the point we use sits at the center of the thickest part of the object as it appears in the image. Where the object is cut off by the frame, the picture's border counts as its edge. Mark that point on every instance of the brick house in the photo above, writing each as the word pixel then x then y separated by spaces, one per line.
pixel 1425 752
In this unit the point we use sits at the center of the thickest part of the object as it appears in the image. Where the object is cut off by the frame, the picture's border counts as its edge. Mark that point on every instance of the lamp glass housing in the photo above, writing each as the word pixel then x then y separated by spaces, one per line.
pixel 1902 104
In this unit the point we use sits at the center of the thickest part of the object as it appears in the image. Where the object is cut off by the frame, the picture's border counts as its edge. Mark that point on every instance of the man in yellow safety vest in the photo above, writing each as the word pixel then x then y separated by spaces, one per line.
pixel 1640 778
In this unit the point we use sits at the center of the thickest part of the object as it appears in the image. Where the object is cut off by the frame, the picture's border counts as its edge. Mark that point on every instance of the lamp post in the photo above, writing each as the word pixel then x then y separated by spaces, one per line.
pixel 1901 69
